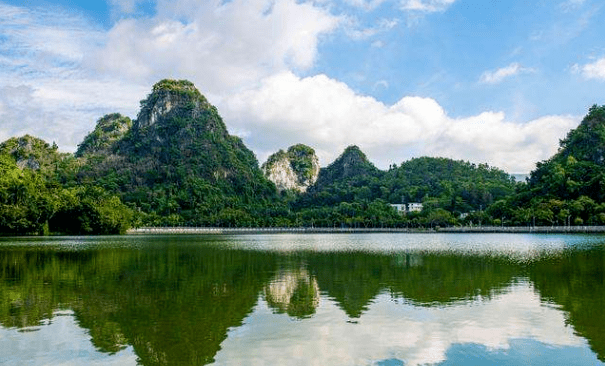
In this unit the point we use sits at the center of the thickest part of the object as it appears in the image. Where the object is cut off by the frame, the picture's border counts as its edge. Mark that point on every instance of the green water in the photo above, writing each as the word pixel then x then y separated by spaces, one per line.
pixel 356 299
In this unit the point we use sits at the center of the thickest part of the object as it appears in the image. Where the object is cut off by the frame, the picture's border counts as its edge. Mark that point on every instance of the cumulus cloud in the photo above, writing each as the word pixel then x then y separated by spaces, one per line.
pixel 328 115
pixel 595 70
pixel 71 72
pixel 220 45
pixel 44 90
pixel 497 76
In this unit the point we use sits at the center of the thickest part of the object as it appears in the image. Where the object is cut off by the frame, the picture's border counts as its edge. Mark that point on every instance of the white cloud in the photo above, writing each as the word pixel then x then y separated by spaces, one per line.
pixel 365 4
pixel 495 77
pixel 392 328
pixel 62 339
pixel 428 6
pixel 125 6
pixel 71 72
pixel 383 25
pixel 595 70
pixel 328 115
pixel 44 89
pixel 220 45
pixel 52 38
pixel 570 5
pixel 381 84
pixel 378 44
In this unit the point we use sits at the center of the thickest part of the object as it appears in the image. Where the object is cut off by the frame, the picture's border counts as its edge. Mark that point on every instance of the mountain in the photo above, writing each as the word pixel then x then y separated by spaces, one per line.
pixel 351 177
pixel 176 164
pixel 459 185
pixel 177 160
pixel 578 168
pixel 352 164
pixel 295 169
pixel 109 129
pixel 568 188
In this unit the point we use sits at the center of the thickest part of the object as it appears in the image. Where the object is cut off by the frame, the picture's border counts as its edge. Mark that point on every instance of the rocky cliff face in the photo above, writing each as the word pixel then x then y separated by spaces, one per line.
pixel 295 169
pixel 294 292
pixel 31 152
pixel 176 99
pixel 109 130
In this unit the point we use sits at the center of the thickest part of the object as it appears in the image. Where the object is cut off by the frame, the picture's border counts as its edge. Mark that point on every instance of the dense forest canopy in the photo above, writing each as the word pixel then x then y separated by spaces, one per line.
pixel 177 164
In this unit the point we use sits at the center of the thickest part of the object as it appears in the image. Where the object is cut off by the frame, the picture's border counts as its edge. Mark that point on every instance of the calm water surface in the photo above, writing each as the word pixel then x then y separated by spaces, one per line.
pixel 363 299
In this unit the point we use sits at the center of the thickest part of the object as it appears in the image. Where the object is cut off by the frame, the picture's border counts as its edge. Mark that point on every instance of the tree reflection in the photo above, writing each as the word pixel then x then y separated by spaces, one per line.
pixel 575 279
pixel 175 300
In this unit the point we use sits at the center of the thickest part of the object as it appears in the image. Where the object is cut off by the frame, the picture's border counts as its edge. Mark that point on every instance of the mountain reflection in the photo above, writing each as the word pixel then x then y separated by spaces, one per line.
pixel 293 292
pixel 174 300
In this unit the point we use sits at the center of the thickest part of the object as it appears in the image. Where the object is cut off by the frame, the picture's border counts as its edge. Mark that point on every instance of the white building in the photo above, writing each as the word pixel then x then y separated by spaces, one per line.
pixel 414 207
pixel 400 208
pixel 403 208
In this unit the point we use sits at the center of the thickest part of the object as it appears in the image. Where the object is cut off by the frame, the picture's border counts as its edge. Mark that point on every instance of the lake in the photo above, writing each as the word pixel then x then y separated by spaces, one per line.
pixel 315 299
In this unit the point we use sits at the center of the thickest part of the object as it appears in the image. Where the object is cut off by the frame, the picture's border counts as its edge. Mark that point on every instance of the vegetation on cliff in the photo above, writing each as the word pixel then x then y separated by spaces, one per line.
pixel 109 129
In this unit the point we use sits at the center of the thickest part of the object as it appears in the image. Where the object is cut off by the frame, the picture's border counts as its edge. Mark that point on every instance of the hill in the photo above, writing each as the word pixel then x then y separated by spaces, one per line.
pixel 351 165
pixel 568 188
pixel 177 162
pixel 352 191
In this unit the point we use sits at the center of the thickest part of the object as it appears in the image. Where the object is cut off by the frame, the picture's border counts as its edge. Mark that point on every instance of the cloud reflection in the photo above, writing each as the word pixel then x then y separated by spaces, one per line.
pixel 392 328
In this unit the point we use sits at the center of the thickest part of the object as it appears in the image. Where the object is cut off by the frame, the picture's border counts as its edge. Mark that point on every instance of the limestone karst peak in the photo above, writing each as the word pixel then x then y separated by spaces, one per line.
pixel 172 98
pixel 296 169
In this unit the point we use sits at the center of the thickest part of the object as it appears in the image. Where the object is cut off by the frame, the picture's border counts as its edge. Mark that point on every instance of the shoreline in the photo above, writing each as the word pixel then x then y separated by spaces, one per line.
pixel 320 230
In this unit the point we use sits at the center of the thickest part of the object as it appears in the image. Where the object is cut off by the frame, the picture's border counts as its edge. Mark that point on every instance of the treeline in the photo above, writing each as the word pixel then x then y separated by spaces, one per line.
pixel 43 191
pixel 36 197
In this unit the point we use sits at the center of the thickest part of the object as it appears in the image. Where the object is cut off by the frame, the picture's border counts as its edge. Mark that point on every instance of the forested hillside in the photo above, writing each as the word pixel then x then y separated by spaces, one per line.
pixel 176 164
pixel 568 188
pixel 36 199
pixel 352 191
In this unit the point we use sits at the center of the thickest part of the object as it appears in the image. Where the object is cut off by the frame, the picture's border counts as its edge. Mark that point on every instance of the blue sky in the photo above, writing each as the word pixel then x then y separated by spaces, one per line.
pixel 486 81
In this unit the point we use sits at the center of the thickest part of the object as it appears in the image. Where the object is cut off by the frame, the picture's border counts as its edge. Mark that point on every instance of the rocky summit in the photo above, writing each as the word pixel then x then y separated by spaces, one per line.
pixel 295 169
pixel 109 129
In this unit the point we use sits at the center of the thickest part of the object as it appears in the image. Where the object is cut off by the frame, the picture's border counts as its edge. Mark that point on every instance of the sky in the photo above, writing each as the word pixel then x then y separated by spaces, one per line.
pixel 497 82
